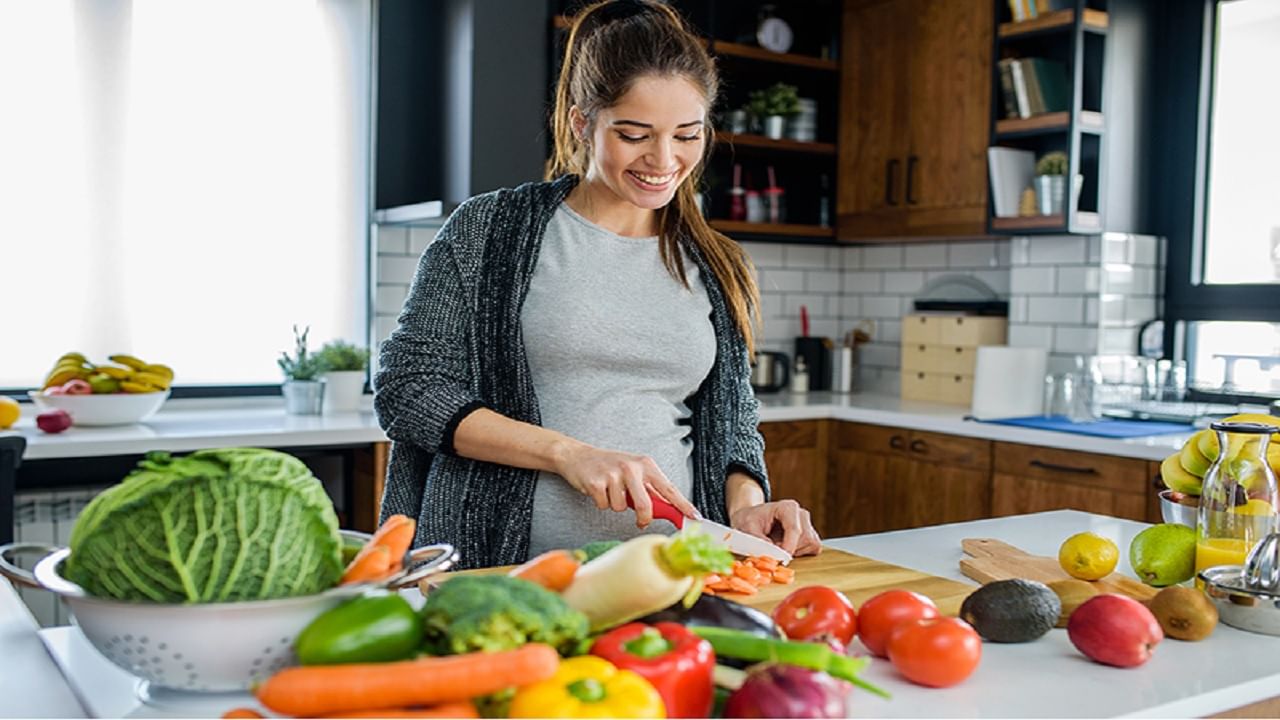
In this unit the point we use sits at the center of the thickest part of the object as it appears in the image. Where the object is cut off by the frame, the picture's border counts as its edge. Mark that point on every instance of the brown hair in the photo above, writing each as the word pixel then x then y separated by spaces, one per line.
pixel 612 44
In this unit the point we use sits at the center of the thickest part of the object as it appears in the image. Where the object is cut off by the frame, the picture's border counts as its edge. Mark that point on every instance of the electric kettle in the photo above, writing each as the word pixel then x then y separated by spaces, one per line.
pixel 771 371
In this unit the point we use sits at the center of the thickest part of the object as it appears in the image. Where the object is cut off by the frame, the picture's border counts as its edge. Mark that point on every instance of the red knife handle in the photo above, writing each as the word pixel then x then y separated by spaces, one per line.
pixel 662 510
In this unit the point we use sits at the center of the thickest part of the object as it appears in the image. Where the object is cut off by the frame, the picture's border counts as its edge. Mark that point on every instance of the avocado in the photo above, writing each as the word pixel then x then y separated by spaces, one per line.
pixel 1011 611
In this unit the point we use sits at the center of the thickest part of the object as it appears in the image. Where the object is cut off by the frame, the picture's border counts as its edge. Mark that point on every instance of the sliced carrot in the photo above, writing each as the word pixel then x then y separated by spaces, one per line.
pixel 368 566
pixel 747 572
pixel 241 713
pixel 722 586
pixel 316 690
pixel 738 585
pixel 765 563
pixel 553 570
pixel 447 710
pixel 784 575
pixel 711 579
pixel 708 591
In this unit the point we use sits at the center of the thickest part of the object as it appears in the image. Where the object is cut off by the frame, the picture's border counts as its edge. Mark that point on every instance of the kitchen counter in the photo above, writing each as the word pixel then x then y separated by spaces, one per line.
pixel 184 425
pixel 1045 678
pixel 893 411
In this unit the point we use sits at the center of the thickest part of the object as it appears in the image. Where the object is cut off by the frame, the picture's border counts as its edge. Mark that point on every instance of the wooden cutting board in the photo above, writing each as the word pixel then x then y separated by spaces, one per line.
pixel 854 575
pixel 989 560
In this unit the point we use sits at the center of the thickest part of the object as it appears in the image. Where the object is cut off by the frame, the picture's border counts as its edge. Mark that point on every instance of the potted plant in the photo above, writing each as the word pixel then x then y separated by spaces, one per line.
pixel 344 364
pixel 1051 182
pixel 303 387
pixel 772 106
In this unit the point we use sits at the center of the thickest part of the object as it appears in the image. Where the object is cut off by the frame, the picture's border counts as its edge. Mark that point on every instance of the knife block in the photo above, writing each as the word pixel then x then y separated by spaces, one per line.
pixel 816 352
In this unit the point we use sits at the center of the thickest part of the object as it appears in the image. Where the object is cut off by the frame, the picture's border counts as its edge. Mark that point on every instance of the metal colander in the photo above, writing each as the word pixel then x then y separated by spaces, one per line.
pixel 212 647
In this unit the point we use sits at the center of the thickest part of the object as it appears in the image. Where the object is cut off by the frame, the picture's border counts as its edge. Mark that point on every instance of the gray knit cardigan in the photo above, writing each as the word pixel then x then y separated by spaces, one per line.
pixel 458 347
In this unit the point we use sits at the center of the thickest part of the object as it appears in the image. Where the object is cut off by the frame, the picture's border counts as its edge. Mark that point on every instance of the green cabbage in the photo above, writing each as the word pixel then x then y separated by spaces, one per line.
pixel 213 526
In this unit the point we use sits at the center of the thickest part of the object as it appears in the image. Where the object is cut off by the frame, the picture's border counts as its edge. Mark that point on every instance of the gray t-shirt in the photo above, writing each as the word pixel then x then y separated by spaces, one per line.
pixel 615 346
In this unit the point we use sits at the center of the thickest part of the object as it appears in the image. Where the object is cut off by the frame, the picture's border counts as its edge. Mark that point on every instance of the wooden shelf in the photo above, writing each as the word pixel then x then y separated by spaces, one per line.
pixel 752 52
pixel 1030 222
pixel 1090 121
pixel 1095 20
pixel 766 143
pixel 737 226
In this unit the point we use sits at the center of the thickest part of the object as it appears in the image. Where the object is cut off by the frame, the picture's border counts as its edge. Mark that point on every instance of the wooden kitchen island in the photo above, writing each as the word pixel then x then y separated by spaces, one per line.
pixel 1232 669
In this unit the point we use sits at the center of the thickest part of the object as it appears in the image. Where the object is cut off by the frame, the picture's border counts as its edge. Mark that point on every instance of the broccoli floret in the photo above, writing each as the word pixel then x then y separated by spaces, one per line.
pixel 593 550
pixel 496 612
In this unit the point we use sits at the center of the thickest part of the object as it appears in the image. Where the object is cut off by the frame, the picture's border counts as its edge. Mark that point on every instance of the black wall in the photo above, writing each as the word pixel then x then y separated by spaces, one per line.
pixel 409 113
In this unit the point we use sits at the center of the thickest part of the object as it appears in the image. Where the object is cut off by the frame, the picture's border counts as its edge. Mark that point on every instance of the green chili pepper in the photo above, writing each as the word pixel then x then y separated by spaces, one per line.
pixel 815 656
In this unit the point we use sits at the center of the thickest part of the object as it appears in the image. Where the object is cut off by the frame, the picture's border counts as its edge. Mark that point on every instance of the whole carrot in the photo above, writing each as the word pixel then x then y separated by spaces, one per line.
pixel 382 554
pixel 446 710
pixel 242 713
pixel 553 570
pixel 329 689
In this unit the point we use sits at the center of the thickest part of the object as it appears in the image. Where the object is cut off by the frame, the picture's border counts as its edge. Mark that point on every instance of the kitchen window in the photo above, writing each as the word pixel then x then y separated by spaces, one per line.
pixel 1223 289
pixel 183 182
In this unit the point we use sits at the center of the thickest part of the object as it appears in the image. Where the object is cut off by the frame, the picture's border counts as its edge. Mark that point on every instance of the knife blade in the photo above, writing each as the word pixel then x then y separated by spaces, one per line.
pixel 738 542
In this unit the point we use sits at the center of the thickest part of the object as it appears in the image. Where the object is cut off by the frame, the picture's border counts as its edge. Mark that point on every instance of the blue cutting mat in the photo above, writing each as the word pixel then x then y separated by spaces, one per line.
pixel 1096 428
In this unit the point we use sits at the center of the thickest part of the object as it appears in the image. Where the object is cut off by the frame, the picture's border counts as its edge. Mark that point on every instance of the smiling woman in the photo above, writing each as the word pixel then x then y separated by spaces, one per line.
pixel 172 195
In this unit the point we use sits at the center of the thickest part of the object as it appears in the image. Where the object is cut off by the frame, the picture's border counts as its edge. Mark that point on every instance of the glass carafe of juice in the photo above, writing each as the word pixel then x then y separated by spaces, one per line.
pixel 1239 499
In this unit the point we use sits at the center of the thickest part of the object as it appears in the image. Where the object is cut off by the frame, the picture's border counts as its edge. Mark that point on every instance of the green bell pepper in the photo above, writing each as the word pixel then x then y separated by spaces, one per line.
pixel 371 628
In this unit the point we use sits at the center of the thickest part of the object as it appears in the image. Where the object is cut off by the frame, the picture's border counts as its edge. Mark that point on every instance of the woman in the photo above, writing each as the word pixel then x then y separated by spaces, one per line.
pixel 573 345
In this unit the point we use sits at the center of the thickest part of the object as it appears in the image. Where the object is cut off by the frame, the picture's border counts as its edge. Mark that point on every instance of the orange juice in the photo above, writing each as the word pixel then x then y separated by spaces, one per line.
pixel 1211 552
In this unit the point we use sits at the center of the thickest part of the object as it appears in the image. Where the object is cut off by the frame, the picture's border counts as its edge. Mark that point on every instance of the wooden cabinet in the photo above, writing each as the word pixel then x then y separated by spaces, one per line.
pixel 797 455
pixel 915 108
pixel 890 478
pixel 1031 479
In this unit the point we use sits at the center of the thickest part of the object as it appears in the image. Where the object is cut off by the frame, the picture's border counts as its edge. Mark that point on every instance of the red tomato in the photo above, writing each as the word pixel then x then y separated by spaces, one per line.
pixel 817 612
pixel 878 616
pixel 938 652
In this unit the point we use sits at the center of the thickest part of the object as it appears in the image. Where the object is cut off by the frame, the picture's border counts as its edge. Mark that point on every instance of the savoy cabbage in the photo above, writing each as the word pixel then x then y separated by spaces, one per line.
pixel 213 526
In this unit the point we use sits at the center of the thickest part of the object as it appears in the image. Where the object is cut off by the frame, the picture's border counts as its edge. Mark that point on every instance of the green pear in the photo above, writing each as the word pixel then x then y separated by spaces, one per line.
pixel 1164 555
pixel 1178 479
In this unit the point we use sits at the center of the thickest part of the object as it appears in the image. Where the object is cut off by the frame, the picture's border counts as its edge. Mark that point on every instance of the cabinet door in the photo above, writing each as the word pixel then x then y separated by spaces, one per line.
pixel 949 108
pixel 1015 495
pixel 944 493
pixel 796 454
pixel 866 493
pixel 873 99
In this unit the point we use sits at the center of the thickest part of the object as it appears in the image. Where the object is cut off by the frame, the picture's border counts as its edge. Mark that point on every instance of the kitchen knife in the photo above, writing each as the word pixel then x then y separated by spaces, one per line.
pixel 738 542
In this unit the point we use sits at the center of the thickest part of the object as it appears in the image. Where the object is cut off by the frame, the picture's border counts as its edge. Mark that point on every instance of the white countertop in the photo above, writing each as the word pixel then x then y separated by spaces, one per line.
pixel 893 411
pixel 1045 678
pixel 184 425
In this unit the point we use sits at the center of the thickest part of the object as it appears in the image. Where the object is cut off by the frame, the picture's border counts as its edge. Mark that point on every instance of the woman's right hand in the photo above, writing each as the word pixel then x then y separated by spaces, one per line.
pixel 608 477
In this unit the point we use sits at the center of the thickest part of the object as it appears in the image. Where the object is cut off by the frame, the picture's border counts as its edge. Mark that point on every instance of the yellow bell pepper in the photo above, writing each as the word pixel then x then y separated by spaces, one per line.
pixel 589 687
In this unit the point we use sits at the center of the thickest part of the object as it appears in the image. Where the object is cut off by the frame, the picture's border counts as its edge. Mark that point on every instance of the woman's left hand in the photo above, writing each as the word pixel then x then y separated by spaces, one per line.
pixel 783 522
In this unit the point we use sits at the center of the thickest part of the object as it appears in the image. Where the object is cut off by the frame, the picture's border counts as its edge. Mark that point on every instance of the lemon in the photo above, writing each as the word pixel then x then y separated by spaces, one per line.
pixel 1255 506
pixel 1088 556
pixel 9 412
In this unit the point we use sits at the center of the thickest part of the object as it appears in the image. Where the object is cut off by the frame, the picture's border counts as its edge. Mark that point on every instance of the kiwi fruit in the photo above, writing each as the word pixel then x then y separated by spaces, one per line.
pixel 1072 594
pixel 1184 613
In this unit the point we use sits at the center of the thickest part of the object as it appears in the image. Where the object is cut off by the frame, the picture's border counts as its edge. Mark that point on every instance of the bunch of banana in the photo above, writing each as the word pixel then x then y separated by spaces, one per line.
pixel 71 366
pixel 1184 470
pixel 138 376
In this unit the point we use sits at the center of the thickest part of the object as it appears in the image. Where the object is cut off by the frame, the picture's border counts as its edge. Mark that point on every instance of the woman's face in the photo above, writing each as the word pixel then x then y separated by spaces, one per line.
pixel 648 143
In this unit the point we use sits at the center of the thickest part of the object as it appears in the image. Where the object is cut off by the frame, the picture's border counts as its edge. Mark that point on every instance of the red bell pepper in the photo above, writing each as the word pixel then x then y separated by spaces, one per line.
pixel 675 661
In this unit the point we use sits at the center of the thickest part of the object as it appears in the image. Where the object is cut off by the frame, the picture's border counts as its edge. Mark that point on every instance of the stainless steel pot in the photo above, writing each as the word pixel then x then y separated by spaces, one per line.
pixel 771 371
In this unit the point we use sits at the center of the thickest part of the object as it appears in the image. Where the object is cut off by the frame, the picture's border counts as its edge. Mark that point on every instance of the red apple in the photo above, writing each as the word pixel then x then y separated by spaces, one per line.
pixel 1114 630
pixel 77 387
pixel 53 421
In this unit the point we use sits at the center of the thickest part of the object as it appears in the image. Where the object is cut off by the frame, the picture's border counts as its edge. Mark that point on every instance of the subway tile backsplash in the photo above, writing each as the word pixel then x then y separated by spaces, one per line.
pixel 1069 294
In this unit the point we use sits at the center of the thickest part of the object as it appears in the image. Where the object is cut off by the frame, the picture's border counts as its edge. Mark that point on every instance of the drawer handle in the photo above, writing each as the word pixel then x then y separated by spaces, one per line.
pixel 920 446
pixel 959 350
pixel 897 442
pixel 1063 468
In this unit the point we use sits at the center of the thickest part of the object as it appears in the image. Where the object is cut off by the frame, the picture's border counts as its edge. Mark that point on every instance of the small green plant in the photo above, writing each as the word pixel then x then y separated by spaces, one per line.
pixel 778 99
pixel 340 356
pixel 1052 163
pixel 303 365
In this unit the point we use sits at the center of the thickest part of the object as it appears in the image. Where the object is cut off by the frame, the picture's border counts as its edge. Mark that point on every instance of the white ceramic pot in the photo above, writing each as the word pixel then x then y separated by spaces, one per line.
pixel 343 390
pixel 775 126
pixel 303 397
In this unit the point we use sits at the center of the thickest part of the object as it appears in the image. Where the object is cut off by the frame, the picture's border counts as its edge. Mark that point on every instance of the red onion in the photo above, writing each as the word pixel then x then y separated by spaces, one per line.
pixel 787 691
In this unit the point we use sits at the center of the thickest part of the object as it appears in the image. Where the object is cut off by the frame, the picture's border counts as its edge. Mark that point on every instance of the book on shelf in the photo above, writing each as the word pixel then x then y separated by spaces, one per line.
pixel 1032 86
pixel 1011 170
pixel 1030 9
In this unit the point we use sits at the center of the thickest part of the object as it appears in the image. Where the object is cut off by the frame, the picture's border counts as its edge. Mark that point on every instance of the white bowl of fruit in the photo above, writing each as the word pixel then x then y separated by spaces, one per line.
pixel 123 392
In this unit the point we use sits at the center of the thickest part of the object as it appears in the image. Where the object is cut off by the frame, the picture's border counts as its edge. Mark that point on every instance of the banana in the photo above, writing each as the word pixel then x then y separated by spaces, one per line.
pixel 74 357
pixel 128 361
pixel 118 373
pixel 158 369
pixel 61 376
pixel 158 381
pixel 130 386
